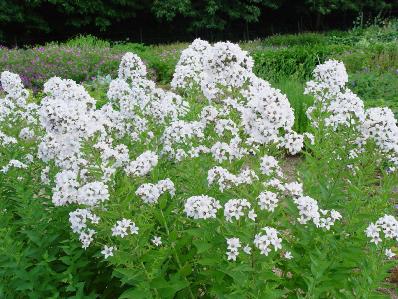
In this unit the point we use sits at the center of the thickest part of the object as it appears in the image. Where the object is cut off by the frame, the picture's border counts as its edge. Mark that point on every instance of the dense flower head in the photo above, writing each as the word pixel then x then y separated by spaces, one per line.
pixel 124 227
pixel 235 208
pixel 226 179
pixel 93 193
pixel 268 200
pixel 190 65
pixel 201 207
pixel 233 245
pixel 78 219
pixel 386 224
pixel 269 165
pixel 143 164
pixel 131 67
pixel 380 125
pixel 67 108
pixel 12 84
pixel 264 241
pixel 150 193
pixel 337 103
pixel 332 72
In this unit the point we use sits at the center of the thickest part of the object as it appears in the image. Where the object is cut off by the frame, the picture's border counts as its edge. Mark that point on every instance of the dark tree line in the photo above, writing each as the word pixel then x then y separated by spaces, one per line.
pixel 28 21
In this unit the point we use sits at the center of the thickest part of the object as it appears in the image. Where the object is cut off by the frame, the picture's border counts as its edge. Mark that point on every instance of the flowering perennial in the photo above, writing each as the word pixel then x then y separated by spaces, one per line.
pixel 95 156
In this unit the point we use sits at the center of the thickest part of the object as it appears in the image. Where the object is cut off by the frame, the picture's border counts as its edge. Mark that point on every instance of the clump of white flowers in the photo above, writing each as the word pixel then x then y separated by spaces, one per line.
pixel 143 164
pixel 224 73
pixel 124 227
pixel 150 193
pixel 270 165
pixel 201 207
pixel 333 100
pixel 336 105
pixel 142 128
pixel 233 245
pixel 79 220
pixel 234 208
pixel 226 180
pixel 386 224
pixel 107 251
pixel 264 241
pixel 309 211
pixel 13 164
pixel 268 200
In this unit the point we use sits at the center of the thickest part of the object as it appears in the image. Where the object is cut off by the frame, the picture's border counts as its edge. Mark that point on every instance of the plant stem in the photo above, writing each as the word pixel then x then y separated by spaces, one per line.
pixel 177 258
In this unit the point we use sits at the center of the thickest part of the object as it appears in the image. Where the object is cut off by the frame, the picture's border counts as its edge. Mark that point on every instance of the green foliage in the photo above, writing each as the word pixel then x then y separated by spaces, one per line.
pixel 212 14
pixel 294 91
pixel 288 40
pixel 76 14
pixel 295 61
pixel 376 89
pixel 39 257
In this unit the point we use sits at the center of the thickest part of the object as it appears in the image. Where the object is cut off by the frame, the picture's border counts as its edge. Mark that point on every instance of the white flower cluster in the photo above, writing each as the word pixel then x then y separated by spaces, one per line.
pixel 224 73
pixel 386 224
pixel 78 220
pixel 87 149
pixel 67 190
pixel 150 193
pixel 226 180
pixel 268 200
pixel 131 67
pixel 380 125
pixel 124 227
pixel 107 251
pixel 13 164
pixel 234 208
pixel 233 245
pixel 143 164
pixel 269 165
pixel 270 238
pixel 309 211
pixel 93 193
pixel 333 100
pixel 179 134
pixel 201 207
pixel 132 93
pixel 336 106
pixel 190 65
pixel 15 111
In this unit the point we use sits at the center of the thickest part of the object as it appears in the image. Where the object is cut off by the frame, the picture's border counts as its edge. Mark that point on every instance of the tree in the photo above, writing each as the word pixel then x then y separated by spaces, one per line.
pixel 211 14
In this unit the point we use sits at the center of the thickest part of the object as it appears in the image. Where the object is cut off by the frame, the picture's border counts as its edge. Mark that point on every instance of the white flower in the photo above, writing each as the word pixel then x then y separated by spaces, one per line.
pixel 252 215
pixel 247 249
pixel 108 251
pixel 233 244
pixel 288 255
pixel 232 255
pixel 143 164
pixel 389 253
pixel 294 189
pixel 226 180
pixel 233 248
pixel 157 241
pixel 123 227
